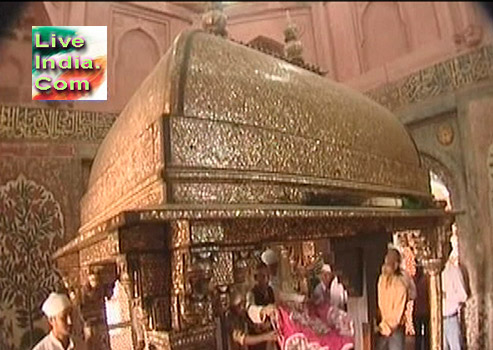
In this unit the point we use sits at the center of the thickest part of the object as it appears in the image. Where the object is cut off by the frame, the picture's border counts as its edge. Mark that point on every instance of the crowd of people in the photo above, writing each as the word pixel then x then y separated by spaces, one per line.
pixel 396 288
pixel 270 316
pixel 273 316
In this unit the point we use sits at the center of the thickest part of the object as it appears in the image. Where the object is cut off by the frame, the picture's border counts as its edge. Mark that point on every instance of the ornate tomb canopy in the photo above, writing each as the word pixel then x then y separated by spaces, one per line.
pixel 217 122
pixel 223 148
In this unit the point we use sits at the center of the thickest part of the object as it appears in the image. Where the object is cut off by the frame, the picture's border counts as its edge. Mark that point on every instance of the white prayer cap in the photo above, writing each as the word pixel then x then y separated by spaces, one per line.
pixel 326 268
pixel 269 257
pixel 54 304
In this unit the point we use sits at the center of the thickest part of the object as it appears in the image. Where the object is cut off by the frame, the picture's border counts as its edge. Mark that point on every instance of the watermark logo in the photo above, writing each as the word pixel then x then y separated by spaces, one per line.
pixel 69 63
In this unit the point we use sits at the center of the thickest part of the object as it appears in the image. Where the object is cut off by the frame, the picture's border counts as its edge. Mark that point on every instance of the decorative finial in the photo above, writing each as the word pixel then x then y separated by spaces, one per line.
pixel 214 19
pixel 293 49
pixel 288 17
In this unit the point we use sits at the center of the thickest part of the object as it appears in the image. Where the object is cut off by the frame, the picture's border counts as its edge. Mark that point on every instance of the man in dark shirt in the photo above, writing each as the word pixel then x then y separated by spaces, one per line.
pixel 421 311
pixel 93 311
pixel 261 294
pixel 240 327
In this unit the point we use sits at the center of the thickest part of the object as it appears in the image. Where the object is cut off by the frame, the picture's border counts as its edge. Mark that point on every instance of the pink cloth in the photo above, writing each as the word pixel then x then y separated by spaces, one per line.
pixel 312 329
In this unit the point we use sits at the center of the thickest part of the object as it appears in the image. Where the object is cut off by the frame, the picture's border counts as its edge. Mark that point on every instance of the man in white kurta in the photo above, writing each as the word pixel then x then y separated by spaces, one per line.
pixel 329 290
pixel 277 280
pixel 57 308
pixel 454 296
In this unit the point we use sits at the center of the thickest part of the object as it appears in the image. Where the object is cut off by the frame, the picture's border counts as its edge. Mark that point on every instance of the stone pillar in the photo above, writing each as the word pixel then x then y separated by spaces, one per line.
pixel 180 257
pixel 433 268
pixel 489 330
pixel 197 284
pixel 432 250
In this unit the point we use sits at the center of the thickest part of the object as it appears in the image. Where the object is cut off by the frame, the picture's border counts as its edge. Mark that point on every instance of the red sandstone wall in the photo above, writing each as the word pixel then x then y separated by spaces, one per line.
pixel 138 35
pixel 365 44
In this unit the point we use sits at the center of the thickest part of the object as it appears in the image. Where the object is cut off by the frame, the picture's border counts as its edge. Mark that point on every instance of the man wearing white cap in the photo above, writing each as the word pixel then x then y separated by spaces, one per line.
pixel 57 308
pixel 328 290
pixel 269 258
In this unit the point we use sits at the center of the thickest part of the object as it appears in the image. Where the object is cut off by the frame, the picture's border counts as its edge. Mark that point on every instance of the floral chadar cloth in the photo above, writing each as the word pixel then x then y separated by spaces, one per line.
pixel 314 328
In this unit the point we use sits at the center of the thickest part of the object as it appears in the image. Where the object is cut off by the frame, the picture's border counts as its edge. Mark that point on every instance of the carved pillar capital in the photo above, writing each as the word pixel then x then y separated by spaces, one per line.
pixel 433 267
pixel 431 246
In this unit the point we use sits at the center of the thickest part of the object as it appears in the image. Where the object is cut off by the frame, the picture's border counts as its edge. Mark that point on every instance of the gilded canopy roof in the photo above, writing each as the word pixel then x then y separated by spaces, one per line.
pixel 217 122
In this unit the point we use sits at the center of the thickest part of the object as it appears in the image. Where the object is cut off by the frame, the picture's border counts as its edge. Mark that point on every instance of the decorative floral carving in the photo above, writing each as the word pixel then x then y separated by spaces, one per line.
pixel 223 269
pixel 203 233
pixel 31 228
pixel 469 37
pixel 475 315
pixel 445 134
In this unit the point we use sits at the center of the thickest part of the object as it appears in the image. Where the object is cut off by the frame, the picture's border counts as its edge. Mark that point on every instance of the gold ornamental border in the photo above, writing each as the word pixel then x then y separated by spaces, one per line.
pixel 441 78
pixel 259 212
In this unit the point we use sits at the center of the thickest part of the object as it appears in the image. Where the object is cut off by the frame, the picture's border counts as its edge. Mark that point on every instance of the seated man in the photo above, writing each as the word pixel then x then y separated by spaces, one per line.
pixel 327 301
pixel 321 293
pixel 240 326
pixel 300 323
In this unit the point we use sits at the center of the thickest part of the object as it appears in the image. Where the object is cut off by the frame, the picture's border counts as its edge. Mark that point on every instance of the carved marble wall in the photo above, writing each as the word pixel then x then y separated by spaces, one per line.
pixel 392 39
pixel 44 159
pixel 477 112
pixel 439 141
pixel 39 194
pixel 452 128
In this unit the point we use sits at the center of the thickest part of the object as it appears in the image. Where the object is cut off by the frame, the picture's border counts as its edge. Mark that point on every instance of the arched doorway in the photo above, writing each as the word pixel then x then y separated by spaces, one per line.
pixel 439 189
